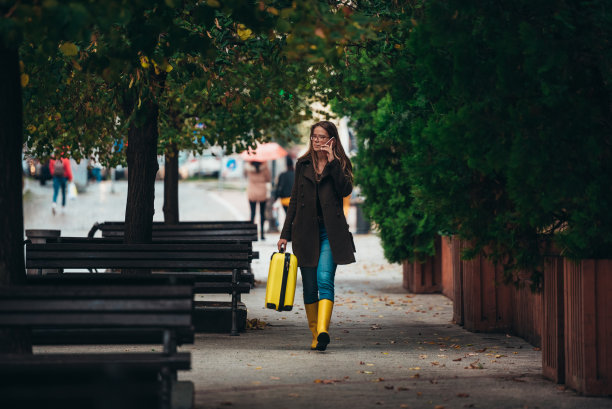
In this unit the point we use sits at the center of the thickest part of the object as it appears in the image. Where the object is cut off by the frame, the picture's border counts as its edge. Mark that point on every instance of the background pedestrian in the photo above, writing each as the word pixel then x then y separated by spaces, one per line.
pixel 258 176
pixel 285 184
pixel 62 173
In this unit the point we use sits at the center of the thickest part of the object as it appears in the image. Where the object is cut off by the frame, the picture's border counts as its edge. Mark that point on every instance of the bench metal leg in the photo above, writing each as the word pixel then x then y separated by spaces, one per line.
pixel 165 398
pixel 234 331
pixel 170 342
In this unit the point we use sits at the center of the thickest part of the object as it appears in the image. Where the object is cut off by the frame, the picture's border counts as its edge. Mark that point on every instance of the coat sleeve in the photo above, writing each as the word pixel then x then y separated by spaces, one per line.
pixel 342 183
pixel 68 169
pixel 279 186
pixel 267 174
pixel 286 232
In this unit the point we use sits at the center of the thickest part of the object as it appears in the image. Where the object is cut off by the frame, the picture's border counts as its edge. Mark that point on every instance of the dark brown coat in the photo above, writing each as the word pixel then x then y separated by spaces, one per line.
pixel 301 225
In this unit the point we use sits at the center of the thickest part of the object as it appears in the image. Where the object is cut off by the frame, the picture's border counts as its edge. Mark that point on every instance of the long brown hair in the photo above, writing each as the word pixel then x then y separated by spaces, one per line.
pixel 332 131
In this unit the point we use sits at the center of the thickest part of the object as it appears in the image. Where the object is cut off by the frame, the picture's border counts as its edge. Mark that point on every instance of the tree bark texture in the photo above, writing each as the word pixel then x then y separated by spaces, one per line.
pixel 171 182
pixel 12 268
pixel 142 167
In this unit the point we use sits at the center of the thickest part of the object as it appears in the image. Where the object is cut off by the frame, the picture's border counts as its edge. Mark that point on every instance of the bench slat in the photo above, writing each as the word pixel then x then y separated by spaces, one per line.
pixel 155 305
pixel 94 320
pixel 160 277
pixel 97 291
pixel 137 255
pixel 107 336
pixel 156 240
pixel 148 247
pixel 10 363
pixel 143 264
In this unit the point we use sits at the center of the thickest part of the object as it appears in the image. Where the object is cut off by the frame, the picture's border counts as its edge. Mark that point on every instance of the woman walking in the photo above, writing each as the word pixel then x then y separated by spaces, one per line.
pixel 62 174
pixel 316 224
pixel 258 175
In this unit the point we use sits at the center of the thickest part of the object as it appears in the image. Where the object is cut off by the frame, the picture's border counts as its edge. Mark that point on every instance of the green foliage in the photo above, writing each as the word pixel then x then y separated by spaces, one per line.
pixel 374 88
pixel 196 62
pixel 517 148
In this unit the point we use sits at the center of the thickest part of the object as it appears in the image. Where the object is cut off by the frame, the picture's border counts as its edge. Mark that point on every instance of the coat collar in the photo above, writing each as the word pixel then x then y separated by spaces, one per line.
pixel 309 171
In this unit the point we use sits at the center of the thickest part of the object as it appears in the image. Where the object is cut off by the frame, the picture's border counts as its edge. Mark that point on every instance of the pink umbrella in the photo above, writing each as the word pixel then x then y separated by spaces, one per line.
pixel 264 152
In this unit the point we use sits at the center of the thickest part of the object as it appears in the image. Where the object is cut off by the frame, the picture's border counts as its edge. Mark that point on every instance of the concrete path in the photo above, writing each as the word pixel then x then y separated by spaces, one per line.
pixel 389 349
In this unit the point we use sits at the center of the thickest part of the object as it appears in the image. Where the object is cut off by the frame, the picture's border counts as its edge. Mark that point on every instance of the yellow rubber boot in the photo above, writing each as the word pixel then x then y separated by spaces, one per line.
pixel 325 312
pixel 312 313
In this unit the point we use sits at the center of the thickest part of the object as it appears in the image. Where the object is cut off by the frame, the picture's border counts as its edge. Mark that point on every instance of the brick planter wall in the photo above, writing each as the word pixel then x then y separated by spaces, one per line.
pixel 421 278
pixel 553 353
pixel 457 266
pixel 487 302
pixel 447 267
pixel 527 313
pixel 588 326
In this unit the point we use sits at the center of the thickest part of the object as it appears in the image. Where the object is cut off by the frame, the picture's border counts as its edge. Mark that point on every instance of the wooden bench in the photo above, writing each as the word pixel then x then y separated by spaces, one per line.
pixel 254 255
pixel 185 230
pixel 225 264
pixel 100 380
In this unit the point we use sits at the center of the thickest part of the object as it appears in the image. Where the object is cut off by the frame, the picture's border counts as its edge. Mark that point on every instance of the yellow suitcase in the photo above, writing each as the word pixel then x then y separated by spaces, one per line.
pixel 282 276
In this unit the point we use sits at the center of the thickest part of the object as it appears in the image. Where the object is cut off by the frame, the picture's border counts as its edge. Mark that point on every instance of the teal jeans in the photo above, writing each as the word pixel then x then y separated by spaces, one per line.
pixel 318 281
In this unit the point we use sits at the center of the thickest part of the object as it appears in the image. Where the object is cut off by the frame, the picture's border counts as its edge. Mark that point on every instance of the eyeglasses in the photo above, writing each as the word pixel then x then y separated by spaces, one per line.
pixel 319 137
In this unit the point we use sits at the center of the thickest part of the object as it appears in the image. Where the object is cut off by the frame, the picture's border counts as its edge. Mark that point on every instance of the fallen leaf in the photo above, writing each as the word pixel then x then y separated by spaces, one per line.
pixel 416 368
pixel 457 360
pixel 438 407
pixel 481 350
pixel 259 367
pixel 476 365
pixel 390 387
pixel 275 378
pixel 256 324
pixel 294 395
pixel 463 395
pixel 403 388
pixel 416 375
pixel 537 349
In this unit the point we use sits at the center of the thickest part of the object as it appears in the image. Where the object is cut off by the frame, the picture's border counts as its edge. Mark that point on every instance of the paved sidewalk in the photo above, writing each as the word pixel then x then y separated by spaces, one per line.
pixel 389 349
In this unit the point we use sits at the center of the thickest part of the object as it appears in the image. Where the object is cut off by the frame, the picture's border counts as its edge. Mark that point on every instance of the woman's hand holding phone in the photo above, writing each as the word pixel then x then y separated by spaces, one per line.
pixel 328 148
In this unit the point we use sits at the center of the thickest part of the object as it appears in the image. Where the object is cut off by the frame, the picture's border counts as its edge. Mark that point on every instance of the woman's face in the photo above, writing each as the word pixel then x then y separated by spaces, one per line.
pixel 319 138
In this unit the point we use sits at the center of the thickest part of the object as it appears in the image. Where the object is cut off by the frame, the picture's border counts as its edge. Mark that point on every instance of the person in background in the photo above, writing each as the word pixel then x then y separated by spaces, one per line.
pixel 285 185
pixel 258 175
pixel 62 173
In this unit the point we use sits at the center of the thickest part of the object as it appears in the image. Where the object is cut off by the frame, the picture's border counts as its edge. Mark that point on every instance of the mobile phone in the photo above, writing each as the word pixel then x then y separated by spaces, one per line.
pixel 328 142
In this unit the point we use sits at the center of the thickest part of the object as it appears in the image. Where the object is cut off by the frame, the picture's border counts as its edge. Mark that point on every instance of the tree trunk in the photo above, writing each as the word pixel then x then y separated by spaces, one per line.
pixel 12 268
pixel 171 182
pixel 142 167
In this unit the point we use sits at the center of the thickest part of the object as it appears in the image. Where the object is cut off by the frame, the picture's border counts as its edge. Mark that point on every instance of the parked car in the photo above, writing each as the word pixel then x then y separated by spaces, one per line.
pixel 195 165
